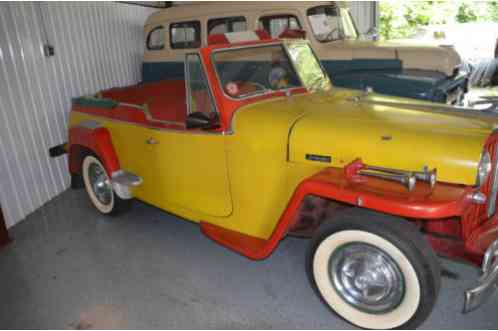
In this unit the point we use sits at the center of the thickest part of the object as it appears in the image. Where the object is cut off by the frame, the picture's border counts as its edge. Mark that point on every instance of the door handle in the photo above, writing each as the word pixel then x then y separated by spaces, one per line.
pixel 151 141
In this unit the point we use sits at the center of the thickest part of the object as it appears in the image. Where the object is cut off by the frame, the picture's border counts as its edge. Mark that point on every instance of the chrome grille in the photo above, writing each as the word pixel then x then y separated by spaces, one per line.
pixel 491 207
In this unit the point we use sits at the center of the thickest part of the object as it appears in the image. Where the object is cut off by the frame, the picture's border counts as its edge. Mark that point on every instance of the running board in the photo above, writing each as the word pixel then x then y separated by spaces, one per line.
pixel 122 181
pixel 248 246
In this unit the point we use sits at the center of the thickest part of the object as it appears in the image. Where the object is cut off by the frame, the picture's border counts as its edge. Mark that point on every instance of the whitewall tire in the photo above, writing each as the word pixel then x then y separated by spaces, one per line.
pixel 374 270
pixel 98 186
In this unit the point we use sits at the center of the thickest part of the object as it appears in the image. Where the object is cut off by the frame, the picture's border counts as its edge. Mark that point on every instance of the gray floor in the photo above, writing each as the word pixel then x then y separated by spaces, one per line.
pixel 69 267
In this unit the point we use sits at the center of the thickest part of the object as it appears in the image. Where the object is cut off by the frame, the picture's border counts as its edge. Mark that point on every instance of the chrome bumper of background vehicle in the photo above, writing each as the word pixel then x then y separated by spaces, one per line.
pixel 488 282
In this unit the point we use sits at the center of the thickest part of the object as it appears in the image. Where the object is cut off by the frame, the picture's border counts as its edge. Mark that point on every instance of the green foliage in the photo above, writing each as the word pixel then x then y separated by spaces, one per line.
pixel 493 11
pixel 400 19
pixel 465 14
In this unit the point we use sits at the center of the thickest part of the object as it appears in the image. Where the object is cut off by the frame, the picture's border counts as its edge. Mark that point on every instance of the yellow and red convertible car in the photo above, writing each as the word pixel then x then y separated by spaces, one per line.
pixel 256 144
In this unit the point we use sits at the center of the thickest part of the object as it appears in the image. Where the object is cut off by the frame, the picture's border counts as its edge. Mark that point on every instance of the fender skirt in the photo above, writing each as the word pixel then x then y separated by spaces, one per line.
pixel 442 201
pixel 98 140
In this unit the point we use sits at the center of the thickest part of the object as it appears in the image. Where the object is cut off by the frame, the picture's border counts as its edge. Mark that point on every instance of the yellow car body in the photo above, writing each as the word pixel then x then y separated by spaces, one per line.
pixel 262 163
pixel 243 180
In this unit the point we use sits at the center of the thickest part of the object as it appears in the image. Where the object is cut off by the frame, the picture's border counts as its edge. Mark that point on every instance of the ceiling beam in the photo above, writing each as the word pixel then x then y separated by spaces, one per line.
pixel 149 4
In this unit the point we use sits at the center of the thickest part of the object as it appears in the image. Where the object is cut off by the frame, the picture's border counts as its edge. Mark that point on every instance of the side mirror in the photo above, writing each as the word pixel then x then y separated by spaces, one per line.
pixel 201 120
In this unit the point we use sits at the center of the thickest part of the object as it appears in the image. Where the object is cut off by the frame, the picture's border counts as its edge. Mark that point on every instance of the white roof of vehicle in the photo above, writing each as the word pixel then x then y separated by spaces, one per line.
pixel 192 9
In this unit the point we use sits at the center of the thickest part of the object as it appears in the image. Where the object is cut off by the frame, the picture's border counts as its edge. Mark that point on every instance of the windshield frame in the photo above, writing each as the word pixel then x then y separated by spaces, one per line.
pixel 353 23
pixel 340 10
pixel 263 92
pixel 324 72
pixel 188 89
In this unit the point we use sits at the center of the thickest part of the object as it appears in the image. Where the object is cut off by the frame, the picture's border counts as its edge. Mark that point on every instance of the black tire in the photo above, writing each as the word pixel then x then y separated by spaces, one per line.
pixel 399 244
pixel 112 205
pixel 77 181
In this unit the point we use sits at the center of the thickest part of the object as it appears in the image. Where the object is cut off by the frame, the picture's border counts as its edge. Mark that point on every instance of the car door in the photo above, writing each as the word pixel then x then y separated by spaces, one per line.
pixel 136 146
pixel 193 171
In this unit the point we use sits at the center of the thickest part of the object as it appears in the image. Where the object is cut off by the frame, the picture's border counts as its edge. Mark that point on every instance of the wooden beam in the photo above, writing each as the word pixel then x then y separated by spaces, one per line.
pixel 4 234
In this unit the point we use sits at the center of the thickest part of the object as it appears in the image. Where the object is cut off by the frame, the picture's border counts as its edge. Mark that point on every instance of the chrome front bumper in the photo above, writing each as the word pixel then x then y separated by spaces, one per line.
pixel 488 282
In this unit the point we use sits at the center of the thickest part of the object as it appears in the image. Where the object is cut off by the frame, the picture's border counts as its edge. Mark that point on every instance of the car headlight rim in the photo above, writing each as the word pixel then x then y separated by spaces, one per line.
pixel 483 169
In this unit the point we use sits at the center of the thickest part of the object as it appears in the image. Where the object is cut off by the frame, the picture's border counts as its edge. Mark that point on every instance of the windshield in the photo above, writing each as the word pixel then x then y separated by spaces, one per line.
pixel 249 71
pixel 331 23
pixel 255 70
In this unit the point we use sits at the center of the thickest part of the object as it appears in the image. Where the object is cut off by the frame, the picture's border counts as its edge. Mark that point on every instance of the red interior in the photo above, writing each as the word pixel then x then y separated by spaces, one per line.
pixel 166 99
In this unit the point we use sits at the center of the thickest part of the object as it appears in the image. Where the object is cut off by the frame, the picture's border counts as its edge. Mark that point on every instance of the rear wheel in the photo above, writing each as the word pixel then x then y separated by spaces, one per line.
pixel 376 271
pixel 98 186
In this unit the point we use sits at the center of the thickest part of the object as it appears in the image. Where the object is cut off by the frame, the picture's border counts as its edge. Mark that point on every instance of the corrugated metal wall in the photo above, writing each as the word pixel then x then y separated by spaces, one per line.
pixel 97 45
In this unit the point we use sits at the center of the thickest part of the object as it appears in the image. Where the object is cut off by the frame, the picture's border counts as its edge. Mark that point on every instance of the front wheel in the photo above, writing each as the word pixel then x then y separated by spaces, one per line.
pixel 374 270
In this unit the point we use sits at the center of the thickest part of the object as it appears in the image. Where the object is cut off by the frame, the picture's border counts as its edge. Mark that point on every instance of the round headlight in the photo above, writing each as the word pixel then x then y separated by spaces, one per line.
pixel 484 168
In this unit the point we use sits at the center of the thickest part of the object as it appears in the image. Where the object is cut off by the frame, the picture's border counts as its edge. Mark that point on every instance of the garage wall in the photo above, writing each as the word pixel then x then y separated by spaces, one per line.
pixel 97 45
pixel 365 14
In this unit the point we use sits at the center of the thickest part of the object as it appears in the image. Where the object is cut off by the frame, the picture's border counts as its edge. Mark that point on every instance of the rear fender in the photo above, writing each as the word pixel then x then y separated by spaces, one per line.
pixel 84 138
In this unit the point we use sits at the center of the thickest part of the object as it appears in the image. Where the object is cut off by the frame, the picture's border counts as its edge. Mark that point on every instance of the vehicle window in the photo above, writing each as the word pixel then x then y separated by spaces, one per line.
pixel 185 35
pixel 331 23
pixel 227 24
pixel 199 98
pixel 155 39
pixel 308 67
pixel 277 24
pixel 255 70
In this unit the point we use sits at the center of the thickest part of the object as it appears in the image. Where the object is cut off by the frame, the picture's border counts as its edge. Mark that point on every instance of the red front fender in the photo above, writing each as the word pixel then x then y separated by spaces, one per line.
pixel 443 201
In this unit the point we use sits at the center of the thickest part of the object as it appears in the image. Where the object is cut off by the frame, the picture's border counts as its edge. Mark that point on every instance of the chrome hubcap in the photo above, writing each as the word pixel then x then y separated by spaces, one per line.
pixel 101 185
pixel 367 278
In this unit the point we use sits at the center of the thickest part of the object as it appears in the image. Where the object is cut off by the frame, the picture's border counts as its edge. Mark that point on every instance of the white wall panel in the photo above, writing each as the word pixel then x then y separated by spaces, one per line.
pixel 97 45
pixel 364 13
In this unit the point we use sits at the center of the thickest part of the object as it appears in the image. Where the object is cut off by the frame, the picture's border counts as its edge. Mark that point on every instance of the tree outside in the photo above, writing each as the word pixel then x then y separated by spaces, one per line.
pixel 403 19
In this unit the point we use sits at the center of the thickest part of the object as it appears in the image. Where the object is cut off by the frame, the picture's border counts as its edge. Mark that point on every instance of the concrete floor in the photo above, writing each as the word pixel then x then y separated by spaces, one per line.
pixel 71 268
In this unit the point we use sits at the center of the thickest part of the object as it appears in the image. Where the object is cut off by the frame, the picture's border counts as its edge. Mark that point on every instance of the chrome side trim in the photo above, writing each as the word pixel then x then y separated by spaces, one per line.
pixel 183 130
pixel 149 118
pixel 145 109
pixel 131 105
